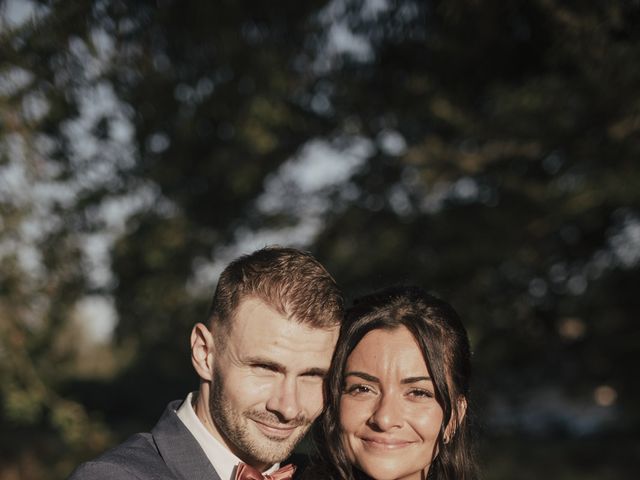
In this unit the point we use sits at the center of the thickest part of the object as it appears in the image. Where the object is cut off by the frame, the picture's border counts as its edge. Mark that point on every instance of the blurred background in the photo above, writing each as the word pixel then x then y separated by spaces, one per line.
pixel 486 150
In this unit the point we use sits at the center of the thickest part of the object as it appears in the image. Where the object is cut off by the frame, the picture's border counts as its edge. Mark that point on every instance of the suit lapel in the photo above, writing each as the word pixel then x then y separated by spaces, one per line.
pixel 180 451
pixel 300 460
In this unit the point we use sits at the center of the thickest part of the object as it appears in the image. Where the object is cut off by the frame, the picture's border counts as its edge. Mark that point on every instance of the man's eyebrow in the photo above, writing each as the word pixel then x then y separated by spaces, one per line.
pixel 315 372
pixel 265 362
pixel 362 375
pixel 278 367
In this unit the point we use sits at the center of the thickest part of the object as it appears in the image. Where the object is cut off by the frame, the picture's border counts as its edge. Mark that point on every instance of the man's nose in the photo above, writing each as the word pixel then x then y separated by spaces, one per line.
pixel 387 413
pixel 285 402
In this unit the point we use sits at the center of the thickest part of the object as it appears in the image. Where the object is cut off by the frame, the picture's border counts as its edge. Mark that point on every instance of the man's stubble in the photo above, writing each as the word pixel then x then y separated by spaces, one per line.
pixel 247 443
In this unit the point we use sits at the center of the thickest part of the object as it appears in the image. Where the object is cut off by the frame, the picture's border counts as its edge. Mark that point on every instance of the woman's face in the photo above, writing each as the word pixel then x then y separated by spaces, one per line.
pixel 389 416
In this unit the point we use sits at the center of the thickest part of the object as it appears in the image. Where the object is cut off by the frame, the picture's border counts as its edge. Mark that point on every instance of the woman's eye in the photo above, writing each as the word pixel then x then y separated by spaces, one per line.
pixel 358 389
pixel 421 393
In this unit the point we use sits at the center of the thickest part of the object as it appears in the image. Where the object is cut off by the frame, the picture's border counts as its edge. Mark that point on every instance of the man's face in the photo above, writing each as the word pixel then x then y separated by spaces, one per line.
pixel 267 384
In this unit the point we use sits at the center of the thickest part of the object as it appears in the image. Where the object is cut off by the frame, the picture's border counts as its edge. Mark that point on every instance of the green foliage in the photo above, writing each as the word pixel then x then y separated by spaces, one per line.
pixel 498 168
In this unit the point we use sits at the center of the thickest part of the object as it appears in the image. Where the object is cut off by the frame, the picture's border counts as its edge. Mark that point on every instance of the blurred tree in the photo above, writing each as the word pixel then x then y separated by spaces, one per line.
pixel 486 150
pixel 515 184
pixel 43 275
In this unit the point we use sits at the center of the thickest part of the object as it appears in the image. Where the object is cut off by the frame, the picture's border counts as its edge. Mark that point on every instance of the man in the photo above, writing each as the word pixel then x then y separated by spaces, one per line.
pixel 261 360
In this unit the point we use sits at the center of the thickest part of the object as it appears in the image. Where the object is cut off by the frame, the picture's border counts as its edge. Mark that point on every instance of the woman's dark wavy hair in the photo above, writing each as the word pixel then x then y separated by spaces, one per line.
pixel 444 344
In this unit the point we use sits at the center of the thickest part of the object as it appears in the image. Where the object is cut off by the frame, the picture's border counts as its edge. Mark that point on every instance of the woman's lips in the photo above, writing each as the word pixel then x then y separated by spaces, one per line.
pixel 385 443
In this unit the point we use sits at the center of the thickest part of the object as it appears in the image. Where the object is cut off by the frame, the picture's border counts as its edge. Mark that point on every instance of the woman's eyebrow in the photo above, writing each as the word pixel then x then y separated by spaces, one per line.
pixel 415 379
pixel 362 375
pixel 371 378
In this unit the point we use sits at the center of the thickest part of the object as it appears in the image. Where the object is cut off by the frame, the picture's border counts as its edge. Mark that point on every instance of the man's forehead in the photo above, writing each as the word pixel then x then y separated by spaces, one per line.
pixel 255 313
pixel 282 332
pixel 279 339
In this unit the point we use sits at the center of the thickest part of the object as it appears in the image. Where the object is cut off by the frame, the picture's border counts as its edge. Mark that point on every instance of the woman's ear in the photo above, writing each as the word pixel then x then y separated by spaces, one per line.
pixel 456 419
pixel 202 351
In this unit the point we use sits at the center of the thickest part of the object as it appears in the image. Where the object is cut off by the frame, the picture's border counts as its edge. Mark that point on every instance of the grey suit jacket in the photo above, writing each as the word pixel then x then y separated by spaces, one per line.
pixel 168 452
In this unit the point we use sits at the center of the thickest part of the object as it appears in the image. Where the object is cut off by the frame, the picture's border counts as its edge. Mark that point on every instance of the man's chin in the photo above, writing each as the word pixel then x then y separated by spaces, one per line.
pixel 276 447
pixel 274 455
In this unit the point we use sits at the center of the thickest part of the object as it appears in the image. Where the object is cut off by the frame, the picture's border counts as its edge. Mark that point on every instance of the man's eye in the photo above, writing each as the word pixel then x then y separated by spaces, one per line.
pixel 264 366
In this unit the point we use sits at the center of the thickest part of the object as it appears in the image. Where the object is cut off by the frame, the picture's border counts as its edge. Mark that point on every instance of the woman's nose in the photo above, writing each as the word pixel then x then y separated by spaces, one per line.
pixel 387 413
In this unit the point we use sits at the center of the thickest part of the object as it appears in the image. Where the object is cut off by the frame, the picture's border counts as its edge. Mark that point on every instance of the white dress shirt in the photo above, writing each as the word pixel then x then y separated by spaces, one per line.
pixel 222 459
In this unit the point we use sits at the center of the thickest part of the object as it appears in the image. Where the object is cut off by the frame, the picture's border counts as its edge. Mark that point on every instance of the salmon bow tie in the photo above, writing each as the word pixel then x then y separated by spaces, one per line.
pixel 245 472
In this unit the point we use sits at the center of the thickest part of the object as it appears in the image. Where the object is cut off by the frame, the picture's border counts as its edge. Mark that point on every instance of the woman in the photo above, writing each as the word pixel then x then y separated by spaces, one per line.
pixel 397 393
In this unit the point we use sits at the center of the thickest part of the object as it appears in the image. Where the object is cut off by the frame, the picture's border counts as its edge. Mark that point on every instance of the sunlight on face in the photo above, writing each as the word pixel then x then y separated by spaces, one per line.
pixel 389 416
pixel 267 386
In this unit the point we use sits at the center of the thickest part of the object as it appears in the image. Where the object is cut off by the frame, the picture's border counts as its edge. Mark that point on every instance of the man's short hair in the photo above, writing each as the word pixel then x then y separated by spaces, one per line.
pixel 290 281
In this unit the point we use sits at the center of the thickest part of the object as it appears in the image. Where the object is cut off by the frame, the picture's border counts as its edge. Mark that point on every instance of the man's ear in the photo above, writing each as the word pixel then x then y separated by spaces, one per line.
pixel 202 351
pixel 456 420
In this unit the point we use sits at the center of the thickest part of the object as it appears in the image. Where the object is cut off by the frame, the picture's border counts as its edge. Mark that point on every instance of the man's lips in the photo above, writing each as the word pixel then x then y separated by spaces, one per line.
pixel 278 431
